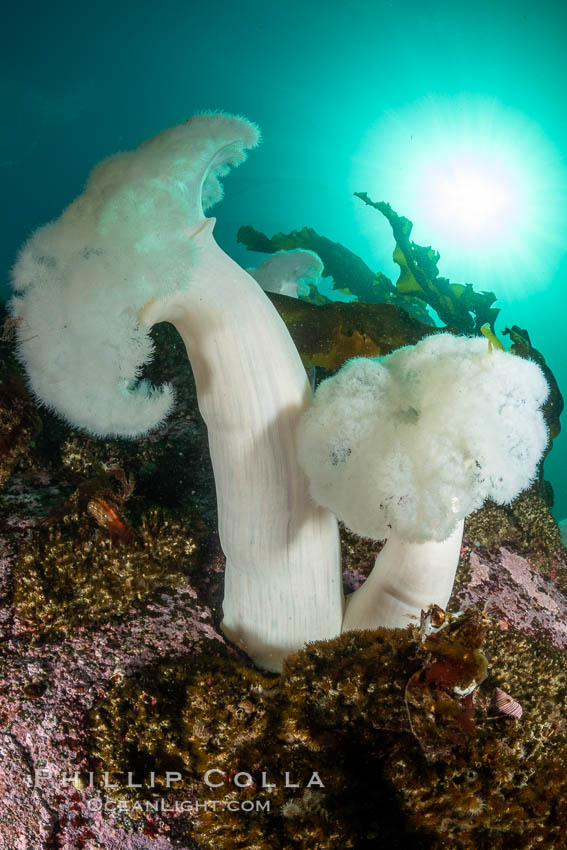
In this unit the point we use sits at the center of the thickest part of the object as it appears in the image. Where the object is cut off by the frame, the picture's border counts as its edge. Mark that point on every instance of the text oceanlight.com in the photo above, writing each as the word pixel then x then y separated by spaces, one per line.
pixel 97 804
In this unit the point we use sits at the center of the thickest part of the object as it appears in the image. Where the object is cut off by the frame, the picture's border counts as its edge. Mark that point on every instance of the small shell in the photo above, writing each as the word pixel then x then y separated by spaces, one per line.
pixel 437 616
pixel 431 621
pixel 504 703
pixel 435 619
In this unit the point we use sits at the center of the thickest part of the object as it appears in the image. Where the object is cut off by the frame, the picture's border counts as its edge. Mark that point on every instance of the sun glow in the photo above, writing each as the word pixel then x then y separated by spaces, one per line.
pixel 481 183
pixel 474 201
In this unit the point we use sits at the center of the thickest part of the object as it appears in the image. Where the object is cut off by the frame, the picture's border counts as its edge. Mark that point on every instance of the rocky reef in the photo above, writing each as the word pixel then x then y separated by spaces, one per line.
pixel 128 721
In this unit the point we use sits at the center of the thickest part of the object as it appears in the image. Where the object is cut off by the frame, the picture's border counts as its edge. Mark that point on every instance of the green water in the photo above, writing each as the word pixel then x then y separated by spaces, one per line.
pixel 80 82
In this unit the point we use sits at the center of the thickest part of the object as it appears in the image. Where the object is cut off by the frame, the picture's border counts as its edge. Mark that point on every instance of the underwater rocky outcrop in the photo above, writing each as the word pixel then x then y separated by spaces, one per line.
pixel 111 658
pixel 393 738
pixel 328 335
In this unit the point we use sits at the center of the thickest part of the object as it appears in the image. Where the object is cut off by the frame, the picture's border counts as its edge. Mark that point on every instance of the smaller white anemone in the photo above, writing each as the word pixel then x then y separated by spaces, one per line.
pixel 404 447
pixel 289 272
